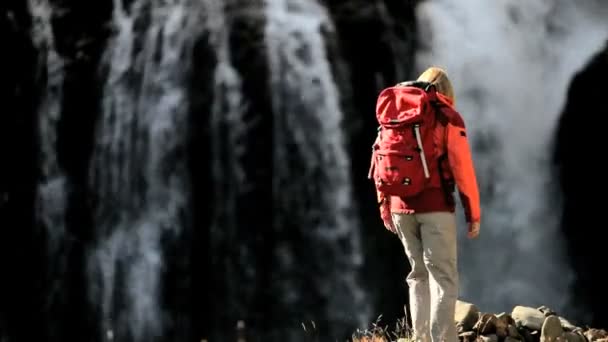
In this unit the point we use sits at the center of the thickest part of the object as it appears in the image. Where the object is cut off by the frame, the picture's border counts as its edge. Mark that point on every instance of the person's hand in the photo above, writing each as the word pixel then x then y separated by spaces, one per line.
pixel 385 214
pixel 473 230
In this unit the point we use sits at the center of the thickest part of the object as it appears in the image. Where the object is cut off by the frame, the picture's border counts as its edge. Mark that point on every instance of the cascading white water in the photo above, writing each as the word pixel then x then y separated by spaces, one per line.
pixel 51 198
pixel 307 124
pixel 511 63
pixel 138 170
pixel 228 139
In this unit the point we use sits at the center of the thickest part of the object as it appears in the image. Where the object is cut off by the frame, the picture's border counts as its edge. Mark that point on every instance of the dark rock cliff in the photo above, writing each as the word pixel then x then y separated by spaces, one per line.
pixel 21 248
pixel 578 158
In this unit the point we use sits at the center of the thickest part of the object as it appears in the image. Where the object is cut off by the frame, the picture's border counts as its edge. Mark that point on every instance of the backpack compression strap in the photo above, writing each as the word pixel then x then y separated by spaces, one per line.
pixel 421 149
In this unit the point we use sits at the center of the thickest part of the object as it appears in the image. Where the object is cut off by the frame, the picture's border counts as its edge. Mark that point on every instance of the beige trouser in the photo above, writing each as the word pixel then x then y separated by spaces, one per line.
pixel 429 240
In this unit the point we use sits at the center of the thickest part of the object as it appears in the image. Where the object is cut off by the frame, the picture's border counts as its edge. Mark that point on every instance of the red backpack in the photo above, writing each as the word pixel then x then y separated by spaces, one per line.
pixel 403 155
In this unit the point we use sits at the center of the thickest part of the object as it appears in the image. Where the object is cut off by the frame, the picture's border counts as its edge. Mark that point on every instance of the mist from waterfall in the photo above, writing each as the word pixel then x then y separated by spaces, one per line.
pixel 510 62
pixel 138 173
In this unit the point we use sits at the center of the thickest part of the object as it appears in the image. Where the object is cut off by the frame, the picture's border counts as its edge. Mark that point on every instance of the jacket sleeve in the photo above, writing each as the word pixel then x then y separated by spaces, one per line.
pixel 463 170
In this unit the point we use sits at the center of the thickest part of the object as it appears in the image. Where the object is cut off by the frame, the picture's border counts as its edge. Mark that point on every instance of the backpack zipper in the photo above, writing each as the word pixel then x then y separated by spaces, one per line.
pixel 422 157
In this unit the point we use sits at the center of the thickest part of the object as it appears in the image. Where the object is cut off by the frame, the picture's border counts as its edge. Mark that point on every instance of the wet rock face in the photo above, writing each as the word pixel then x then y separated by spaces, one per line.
pixel 21 267
pixel 579 147
pixel 80 31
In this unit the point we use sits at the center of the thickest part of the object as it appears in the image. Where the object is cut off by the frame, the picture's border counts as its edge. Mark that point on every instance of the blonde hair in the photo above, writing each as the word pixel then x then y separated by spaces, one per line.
pixel 439 78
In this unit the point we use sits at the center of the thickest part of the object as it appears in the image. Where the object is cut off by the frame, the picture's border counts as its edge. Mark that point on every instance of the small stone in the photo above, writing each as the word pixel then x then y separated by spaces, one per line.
pixel 566 324
pixel 502 323
pixel 486 324
pixel 465 315
pixel 512 339
pixel 551 329
pixel 526 335
pixel 528 317
pixel 594 334
pixel 505 317
pixel 467 336
pixel 546 311
pixel 512 332
pixel 573 337
pixel 487 338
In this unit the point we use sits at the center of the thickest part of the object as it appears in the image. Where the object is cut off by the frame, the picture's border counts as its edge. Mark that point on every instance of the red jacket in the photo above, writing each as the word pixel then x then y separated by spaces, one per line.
pixel 461 169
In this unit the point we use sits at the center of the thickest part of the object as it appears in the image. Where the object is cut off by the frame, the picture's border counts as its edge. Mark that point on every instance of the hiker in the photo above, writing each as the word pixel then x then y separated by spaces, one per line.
pixel 416 194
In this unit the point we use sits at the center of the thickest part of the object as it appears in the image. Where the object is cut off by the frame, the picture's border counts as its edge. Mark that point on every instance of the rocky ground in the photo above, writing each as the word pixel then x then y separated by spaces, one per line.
pixel 522 324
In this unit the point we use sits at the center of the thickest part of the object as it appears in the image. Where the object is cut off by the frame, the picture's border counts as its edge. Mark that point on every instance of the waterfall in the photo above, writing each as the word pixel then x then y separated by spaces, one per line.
pixel 228 139
pixel 51 198
pixel 511 62
pixel 311 168
pixel 138 171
